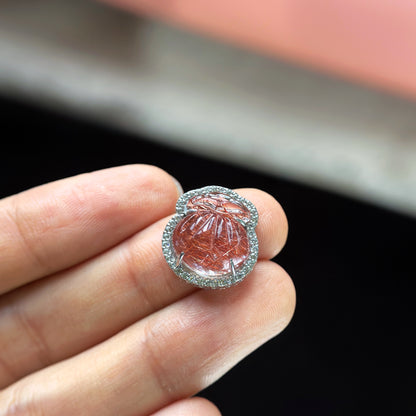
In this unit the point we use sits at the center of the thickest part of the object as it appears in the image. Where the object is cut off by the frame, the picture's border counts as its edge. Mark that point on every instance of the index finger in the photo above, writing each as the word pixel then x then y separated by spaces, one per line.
pixel 54 226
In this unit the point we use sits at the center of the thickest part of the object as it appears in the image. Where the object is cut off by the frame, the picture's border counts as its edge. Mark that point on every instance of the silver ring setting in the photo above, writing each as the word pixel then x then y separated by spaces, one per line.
pixel 211 241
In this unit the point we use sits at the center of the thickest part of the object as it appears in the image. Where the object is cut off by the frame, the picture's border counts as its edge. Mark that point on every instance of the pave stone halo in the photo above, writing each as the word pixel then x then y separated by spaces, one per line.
pixel 211 240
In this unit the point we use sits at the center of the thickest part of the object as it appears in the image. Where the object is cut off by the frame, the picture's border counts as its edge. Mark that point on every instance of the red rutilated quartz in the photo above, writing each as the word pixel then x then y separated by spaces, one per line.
pixel 210 236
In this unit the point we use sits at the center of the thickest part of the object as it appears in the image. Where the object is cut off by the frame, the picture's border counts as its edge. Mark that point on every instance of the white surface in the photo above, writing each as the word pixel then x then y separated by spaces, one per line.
pixel 210 98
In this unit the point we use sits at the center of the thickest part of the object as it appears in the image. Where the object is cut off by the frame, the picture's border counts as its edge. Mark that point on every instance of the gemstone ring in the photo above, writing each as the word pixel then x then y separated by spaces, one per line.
pixel 211 241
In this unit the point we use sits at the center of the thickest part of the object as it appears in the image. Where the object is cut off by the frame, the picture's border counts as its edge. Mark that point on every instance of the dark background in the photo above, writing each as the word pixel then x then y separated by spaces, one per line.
pixel 349 349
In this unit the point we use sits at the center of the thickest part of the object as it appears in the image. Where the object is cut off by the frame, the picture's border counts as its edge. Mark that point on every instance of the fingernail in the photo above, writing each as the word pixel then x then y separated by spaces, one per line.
pixel 178 186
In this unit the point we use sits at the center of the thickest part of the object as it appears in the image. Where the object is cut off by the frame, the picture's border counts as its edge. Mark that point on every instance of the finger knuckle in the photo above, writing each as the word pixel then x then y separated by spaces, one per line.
pixel 33 336
pixel 154 342
pixel 25 229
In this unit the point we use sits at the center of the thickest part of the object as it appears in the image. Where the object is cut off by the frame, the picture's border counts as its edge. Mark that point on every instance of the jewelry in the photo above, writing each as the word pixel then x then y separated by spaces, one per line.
pixel 211 240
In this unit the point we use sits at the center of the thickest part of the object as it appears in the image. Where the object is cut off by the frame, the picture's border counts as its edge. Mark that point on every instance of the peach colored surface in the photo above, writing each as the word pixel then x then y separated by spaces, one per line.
pixel 373 41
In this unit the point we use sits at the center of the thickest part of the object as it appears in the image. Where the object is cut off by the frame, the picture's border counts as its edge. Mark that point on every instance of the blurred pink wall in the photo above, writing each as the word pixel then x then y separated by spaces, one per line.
pixel 372 41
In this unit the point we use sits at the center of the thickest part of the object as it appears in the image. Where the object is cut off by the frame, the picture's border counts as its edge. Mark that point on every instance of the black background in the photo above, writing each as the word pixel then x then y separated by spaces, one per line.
pixel 349 349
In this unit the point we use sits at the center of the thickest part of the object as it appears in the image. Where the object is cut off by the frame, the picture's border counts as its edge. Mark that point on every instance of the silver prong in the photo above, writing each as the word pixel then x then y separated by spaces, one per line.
pixel 232 267
pixel 242 222
pixel 190 211
pixel 179 262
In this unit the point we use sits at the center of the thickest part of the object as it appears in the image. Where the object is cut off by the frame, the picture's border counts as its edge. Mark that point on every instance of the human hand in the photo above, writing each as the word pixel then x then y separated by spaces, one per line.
pixel 93 321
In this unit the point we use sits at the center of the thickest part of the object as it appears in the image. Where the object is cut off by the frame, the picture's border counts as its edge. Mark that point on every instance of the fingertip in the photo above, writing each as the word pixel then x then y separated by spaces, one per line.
pixel 272 229
pixel 283 288
pixel 157 180
pixel 270 286
pixel 178 186
pixel 190 407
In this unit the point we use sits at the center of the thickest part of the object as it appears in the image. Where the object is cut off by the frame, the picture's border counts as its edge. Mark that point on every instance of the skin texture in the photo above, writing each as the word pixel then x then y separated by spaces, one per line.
pixel 93 321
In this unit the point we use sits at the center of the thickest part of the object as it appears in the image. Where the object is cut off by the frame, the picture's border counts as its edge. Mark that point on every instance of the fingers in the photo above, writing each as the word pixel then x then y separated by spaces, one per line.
pixel 67 313
pixel 57 225
pixel 195 406
pixel 165 357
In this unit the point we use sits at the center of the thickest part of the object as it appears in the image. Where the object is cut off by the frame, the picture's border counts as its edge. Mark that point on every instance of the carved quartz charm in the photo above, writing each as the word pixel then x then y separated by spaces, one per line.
pixel 211 237
pixel 211 241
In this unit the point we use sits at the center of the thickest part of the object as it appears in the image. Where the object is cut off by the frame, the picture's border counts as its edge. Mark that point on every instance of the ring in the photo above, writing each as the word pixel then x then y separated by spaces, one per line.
pixel 211 241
